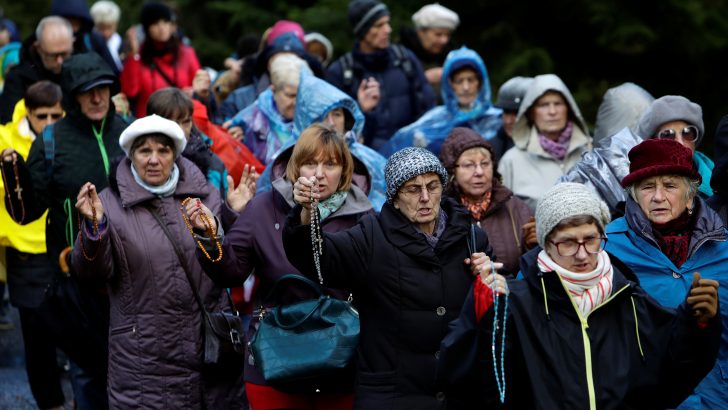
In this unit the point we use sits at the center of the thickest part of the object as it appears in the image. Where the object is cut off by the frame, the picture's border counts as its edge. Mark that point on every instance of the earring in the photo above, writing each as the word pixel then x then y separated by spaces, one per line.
pixel 690 211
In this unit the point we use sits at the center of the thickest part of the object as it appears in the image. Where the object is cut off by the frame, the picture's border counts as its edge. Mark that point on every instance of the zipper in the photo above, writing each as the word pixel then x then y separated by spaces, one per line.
pixel 123 329
pixel 584 321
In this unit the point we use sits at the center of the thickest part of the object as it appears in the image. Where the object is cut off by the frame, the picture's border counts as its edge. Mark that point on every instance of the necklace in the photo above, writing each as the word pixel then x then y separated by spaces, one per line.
pixel 18 190
pixel 316 239
pixel 95 222
pixel 208 227
pixel 500 374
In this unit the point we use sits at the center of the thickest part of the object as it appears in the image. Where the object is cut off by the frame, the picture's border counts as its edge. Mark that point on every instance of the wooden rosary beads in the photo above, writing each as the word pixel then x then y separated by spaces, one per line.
pixel 208 226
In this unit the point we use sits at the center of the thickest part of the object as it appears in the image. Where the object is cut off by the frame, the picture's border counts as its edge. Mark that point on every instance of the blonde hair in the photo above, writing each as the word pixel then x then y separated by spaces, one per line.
pixel 321 140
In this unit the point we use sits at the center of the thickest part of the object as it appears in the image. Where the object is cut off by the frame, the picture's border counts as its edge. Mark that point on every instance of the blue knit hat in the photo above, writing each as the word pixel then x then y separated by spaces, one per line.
pixel 408 163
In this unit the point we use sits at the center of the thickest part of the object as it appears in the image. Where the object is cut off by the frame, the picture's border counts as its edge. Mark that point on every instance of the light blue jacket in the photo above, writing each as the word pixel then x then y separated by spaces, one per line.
pixel 630 238
pixel 435 125
pixel 315 99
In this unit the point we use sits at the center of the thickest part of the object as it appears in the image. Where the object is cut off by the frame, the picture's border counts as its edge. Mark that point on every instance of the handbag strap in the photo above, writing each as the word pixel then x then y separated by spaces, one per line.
pixel 293 277
pixel 188 274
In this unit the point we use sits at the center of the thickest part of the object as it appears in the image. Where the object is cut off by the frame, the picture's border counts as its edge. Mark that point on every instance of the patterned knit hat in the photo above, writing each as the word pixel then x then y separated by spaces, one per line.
pixel 408 163
pixel 655 157
pixel 563 201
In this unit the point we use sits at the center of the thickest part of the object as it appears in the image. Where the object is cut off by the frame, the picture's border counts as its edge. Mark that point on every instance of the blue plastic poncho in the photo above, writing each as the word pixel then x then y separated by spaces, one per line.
pixel 435 125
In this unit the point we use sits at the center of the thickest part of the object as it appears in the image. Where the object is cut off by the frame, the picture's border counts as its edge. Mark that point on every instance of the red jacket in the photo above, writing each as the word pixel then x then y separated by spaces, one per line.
pixel 139 80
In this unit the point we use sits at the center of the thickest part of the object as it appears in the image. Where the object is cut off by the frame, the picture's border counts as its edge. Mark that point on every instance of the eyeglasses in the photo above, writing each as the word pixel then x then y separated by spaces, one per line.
pixel 433 188
pixel 571 248
pixel 45 116
pixel 55 56
pixel 689 133
pixel 472 166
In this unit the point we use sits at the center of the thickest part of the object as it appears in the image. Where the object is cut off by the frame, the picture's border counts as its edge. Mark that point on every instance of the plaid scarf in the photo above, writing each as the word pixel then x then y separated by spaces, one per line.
pixel 674 238
pixel 588 290
pixel 558 148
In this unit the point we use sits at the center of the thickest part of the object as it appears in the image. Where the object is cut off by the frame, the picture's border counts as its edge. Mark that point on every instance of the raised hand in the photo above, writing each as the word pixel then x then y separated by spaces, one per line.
pixel 480 264
pixel 703 298
pixel 238 197
pixel 529 233
pixel 199 215
pixel 88 202
pixel 368 94
pixel 9 155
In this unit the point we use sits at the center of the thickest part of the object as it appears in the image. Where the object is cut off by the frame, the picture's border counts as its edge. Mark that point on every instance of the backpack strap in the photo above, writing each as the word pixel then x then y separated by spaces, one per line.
pixel 403 61
pixel 49 141
pixel 87 42
pixel 347 69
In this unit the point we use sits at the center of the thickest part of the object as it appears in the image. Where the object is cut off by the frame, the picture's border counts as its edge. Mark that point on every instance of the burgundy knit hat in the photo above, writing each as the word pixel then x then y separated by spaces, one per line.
pixel 460 140
pixel 660 157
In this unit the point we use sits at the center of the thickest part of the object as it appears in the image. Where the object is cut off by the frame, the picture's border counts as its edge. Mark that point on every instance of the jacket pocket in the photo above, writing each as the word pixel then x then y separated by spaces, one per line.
pixel 376 390
pixel 122 329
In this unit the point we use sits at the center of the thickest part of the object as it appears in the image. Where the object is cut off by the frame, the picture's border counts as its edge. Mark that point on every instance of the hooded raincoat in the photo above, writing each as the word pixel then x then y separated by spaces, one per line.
pixel 719 179
pixel 430 130
pixel 265 130
pixel 316 98
pixel 527 169
pixel 628 353
pixel 631 239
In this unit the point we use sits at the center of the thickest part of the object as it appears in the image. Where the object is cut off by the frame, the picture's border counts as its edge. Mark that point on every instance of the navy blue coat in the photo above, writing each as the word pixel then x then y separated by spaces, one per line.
pixel 402 100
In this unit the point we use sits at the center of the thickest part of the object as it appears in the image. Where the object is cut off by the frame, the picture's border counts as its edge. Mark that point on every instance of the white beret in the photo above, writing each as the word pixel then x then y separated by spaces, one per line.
pixel 153 124
pixel 436 16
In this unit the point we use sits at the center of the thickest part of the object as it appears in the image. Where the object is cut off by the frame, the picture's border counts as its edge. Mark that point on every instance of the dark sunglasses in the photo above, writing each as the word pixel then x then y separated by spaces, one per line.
pixel 45 116
pixel 689 133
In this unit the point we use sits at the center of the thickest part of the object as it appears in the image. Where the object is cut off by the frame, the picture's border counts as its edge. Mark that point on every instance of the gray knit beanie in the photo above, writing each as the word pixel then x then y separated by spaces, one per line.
pixel 563 201
pixel 671 108
pixel 406 164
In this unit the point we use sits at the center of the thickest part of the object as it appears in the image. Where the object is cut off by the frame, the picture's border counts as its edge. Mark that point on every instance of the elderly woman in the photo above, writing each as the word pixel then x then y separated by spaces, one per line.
pixel 476 184
pixel 466 94
pixel 408 269
pixel 550 136
pixel 253 244
pixel 319 101
pixel 154 362
pixel 267 124
pixel 576 333
pixel 668 236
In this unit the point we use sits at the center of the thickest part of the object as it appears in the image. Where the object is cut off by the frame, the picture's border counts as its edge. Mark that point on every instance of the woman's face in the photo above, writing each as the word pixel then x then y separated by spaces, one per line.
pixel 474 172
pixel 336 118
pixel 678 127
pixel 153 162
pixel 582 261
pixel 419 200
pixel 161 31
pixel 185 122
pixel 327 172
pixel 662 198
pixel 465 84
pixel 550 114
pixel 285 98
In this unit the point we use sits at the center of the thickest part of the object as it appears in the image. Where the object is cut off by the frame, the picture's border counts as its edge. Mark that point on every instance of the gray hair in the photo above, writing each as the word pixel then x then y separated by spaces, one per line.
pixel 52 21
pixel 285 69
pixel 105 12
pixel 692 184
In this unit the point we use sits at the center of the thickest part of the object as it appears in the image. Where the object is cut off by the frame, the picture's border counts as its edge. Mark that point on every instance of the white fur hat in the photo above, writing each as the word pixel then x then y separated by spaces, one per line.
pixel 153 124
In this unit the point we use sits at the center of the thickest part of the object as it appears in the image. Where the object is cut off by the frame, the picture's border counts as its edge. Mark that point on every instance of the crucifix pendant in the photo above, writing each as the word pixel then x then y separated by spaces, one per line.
pixel 18 190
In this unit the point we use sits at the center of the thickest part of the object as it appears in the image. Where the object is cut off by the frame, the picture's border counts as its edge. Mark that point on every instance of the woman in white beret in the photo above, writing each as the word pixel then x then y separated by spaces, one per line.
pixel 155 336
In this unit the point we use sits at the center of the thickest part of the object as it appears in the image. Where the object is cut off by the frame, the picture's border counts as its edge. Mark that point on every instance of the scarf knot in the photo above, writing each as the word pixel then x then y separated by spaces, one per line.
pixel 477 209
pixel 558 148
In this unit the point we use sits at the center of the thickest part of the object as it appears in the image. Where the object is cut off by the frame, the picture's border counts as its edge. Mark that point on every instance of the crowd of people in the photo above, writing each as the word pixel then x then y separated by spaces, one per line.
pixel 498 254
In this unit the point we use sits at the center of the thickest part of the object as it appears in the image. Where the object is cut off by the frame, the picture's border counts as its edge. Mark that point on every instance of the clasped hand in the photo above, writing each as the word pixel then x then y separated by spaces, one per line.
pixel 703 298
pixel 480 264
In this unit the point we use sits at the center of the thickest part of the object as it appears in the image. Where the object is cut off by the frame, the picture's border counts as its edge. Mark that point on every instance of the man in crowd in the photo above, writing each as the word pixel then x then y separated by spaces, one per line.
pixel 386 79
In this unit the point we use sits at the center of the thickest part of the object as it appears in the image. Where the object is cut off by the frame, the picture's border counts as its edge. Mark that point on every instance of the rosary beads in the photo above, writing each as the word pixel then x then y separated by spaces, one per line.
pixel 95 222
pixel 208 227
pixel 500 374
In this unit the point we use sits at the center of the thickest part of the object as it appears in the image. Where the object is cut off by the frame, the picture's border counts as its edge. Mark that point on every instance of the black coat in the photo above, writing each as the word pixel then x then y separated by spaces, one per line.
pixel 653 363
pixel 406 293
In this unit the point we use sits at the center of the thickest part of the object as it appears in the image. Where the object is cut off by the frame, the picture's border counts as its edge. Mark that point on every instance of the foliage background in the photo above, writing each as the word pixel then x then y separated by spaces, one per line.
pixel 666 46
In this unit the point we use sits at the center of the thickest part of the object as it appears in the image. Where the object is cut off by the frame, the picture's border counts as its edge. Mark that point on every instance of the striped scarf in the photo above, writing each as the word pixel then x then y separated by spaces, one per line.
pixel 587 290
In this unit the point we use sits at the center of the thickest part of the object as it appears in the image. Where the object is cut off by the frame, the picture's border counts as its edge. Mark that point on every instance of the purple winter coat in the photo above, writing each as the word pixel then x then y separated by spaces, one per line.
pixel 155 336
pixel 255 240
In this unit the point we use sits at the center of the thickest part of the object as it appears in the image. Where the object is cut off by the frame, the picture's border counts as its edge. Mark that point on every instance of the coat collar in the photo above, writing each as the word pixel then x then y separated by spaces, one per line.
pixel 191 183
pixel 403 235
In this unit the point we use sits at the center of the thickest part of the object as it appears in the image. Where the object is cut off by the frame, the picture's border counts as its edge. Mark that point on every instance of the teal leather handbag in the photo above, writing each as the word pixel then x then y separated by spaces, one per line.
pixel 303 342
